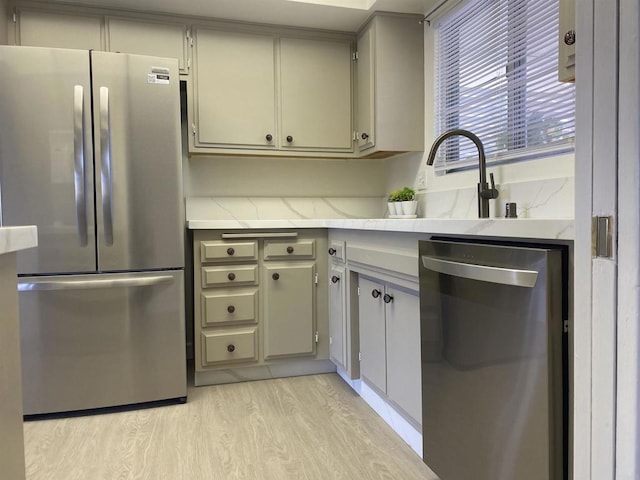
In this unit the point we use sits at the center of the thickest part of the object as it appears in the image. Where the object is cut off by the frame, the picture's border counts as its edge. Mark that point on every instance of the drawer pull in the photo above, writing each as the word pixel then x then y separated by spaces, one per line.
pixel 231 276
pixel 387 298
pixel 375 293
pixel 275 276
pixel 289 249
pixel 335 279
pixel 231 309
pixel 230 251
pixel 231 348
pixel 332 251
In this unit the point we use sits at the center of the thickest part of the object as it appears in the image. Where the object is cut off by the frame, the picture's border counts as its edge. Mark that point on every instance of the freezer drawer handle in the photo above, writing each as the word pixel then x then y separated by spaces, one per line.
pixel 79 162
pixel 484 273
pixel 90 284
pixel 106 177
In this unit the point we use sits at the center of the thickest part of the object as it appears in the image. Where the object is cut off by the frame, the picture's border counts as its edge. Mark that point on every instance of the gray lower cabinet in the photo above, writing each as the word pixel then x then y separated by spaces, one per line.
pixel 338 316
pixel 260 310
pixel 289 309
pixel 389 321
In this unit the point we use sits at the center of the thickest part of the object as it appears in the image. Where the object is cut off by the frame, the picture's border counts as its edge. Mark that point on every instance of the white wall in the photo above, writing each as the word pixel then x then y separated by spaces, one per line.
pixel 3 22
pixel 542 188
pixel 277 177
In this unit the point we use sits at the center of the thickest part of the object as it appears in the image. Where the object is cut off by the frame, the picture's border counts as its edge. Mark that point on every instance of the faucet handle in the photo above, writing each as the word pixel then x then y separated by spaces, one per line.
pixel 492 192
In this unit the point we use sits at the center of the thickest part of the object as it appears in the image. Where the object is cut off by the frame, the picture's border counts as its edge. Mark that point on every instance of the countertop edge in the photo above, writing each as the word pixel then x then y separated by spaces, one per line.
pixel 13 239
pixel 544 229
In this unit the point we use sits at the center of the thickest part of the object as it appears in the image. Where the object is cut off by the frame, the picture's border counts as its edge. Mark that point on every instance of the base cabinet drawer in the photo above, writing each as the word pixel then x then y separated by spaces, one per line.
pixel 229 346
pixel 230 275
pixel 229 306
pixel 288 249
pixel 219 250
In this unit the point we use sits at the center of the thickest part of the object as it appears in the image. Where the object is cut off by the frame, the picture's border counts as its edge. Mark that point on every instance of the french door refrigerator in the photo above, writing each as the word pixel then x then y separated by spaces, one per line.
pixel 90 152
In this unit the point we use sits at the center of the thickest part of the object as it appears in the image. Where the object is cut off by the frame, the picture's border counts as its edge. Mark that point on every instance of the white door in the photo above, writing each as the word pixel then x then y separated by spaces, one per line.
pixel 605 432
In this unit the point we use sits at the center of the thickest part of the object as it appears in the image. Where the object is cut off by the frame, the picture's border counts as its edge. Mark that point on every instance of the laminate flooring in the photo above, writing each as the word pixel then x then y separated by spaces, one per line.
pixel 309 428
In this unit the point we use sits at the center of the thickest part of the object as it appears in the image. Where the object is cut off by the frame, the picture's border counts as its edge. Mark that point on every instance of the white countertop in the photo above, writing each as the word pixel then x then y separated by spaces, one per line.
pixel 559 229
pixel 13 239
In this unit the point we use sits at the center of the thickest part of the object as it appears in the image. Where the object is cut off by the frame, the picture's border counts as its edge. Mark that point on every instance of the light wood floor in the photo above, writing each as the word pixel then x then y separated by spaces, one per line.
pixel 312 427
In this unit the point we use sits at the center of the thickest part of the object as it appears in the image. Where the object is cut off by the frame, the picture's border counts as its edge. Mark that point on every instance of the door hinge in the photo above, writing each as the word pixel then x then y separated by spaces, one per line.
pixel 565 326
pixel 355 136
pixel 602 237
pixel 193 128
pixel 330 340
pixel 188 64
pixel 354 56
pixel 315 279
pixel 358 291
pixel 359 356
pixel 317 336
pixel 15 16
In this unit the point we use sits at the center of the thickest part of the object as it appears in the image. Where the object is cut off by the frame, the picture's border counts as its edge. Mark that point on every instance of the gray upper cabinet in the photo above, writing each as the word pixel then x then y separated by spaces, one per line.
pixel 148 38
pixel 315 78
pixel 258 91
pixel 234 98
pixel 59 30
pixel 390 87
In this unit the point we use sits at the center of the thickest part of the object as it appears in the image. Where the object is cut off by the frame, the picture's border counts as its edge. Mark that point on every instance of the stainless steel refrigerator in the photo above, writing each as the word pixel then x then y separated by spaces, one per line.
pixel 90 152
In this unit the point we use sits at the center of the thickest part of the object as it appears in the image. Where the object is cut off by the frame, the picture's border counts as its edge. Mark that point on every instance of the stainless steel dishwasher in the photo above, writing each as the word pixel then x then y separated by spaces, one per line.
pixel 493 394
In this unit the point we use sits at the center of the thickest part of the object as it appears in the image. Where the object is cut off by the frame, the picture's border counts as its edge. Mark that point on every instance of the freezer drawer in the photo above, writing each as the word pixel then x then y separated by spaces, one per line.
pixel 91 341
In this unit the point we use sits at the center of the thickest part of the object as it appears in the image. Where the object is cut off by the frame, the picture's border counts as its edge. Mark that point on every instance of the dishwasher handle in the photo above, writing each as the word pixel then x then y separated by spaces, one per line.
pixel 483 273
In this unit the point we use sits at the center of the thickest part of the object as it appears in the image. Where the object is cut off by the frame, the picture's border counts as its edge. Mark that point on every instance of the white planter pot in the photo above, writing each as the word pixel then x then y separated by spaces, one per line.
pixel 394 208
pixel 408 208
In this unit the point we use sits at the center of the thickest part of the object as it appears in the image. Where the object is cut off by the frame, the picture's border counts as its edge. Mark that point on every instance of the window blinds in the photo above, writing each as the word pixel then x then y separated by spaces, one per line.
pixel 497 77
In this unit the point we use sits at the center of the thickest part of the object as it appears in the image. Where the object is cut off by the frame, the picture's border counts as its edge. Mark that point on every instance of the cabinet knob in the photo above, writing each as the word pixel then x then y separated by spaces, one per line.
pixel 570 37
pixel 231 276
pixel 231 348
pixel 335 279
pixel 375 293
pixel 231 309
pixel 230 251
pixel 275 276
pixel 289 249
pixel 289 139
pixel 269 137
pixel 387 298
pixel 332 251
pixel 364 136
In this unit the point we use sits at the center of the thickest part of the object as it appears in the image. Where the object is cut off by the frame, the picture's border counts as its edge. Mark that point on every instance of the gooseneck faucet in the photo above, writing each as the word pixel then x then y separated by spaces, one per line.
pixel 484 192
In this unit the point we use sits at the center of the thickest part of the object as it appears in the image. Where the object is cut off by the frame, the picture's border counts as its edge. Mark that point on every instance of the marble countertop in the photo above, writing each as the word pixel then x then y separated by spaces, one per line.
pixel 558 229
pixel 13 239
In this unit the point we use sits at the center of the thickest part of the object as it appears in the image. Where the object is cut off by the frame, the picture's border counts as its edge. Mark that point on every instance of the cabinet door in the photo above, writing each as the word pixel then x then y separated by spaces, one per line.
pixel 404 378
pixel 234 104
pixel 373 359
pixel 315 78
pixel 337 316
pixel 44 29
pixel 289 309
pixel 365 125
pixel 145 38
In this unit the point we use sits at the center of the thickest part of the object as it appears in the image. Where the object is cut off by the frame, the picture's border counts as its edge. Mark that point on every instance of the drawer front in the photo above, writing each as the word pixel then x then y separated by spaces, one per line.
pixel 224 346
pixel 229 307
pixel 229 275
pixel 337 251
pixel 218 250
pixel 280 249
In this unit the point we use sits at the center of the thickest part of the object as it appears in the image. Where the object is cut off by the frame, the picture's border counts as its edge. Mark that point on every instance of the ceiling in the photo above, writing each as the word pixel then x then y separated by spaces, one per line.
pixel 343 15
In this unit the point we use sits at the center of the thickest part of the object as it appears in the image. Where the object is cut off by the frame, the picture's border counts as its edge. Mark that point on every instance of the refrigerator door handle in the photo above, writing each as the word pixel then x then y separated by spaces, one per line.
pixel 79 162
pixel 484 273
pixel 120 282
pixel 106 174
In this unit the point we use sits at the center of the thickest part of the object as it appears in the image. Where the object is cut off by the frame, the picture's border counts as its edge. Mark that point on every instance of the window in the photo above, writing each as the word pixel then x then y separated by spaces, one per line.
pixel 497 76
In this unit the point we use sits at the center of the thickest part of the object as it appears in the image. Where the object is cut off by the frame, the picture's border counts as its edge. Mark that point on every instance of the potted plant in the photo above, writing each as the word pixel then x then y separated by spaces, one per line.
pixel 407 201
pixel 392 203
